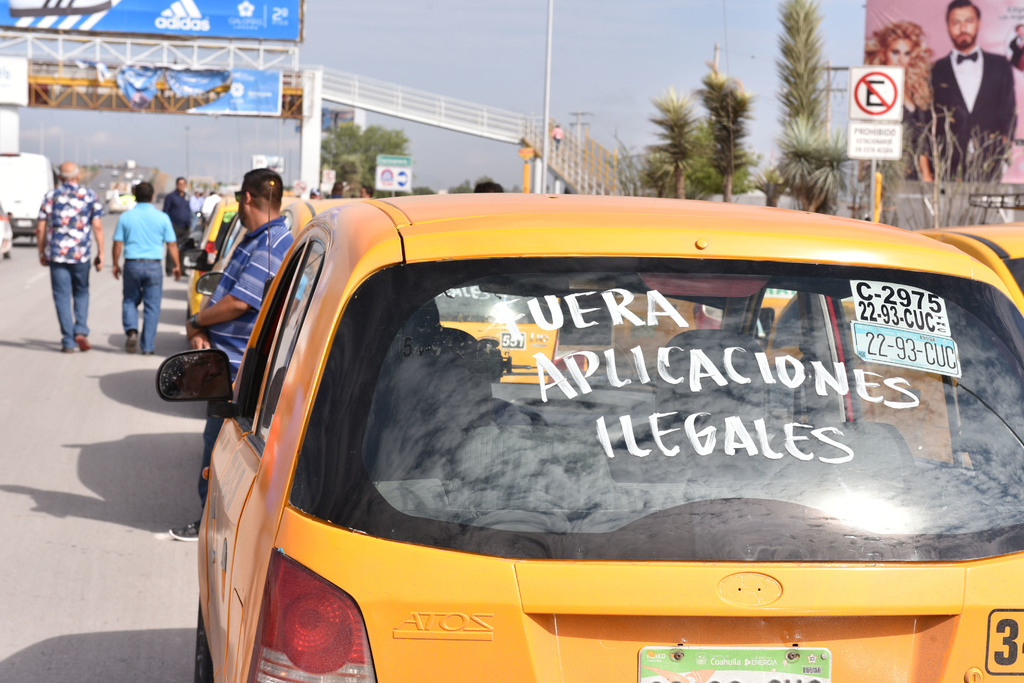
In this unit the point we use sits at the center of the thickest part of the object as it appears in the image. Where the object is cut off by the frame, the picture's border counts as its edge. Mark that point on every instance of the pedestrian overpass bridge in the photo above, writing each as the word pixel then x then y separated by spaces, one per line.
pixel 583 165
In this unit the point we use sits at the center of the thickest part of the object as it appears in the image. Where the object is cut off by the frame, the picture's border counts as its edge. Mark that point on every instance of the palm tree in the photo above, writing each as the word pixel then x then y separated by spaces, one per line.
pixel 801 64
pixel 812 165
pixel 771 182
pixel 811 159
pixel 678 123
pixel 728 108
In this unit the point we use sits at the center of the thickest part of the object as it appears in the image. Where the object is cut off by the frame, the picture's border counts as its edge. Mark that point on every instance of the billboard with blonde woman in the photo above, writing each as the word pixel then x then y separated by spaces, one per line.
pixel 964 84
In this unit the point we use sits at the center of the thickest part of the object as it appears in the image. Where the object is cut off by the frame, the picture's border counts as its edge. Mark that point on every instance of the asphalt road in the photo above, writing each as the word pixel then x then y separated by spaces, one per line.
pixel 94 468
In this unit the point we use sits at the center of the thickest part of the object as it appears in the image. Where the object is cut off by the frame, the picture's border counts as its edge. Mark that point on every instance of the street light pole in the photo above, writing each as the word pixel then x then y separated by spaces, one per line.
pixel 543 175
pixel 188 176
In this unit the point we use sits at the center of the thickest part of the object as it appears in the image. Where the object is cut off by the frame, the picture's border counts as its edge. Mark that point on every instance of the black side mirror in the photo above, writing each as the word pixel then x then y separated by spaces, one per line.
pixel 207 284
pixel 199 375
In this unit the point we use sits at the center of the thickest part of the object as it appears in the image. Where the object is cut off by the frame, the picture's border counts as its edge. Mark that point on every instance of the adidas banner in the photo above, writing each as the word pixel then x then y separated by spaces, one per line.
pixel 241 19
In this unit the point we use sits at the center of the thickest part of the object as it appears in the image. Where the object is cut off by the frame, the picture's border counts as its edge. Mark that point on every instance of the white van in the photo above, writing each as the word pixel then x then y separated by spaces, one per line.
pixel 24 181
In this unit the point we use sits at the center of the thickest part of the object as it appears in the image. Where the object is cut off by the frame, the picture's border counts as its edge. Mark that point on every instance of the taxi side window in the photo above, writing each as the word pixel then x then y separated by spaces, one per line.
pixel 302 285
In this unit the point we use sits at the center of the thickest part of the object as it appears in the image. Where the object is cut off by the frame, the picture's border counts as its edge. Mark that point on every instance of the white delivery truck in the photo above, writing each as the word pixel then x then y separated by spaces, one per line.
pixel 24 181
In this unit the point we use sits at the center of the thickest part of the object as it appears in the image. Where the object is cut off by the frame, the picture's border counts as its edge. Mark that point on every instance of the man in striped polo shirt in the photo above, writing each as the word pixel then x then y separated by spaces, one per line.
pixel 227 321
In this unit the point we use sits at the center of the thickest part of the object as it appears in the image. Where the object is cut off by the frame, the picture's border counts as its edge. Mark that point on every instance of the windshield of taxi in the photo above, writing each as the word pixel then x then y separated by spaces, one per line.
pixel 678 410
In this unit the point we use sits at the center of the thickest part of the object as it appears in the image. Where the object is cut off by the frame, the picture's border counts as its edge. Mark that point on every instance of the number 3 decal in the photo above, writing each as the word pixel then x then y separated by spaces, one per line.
pixel 1004 643
pixel 1008 656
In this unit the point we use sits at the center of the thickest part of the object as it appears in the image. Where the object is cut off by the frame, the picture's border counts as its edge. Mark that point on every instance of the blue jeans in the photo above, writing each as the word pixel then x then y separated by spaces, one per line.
pixel 143 283
pixel 70 282
pixel 210 433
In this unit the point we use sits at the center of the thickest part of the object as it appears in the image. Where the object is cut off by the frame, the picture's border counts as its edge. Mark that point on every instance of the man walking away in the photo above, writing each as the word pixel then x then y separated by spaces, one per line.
pixel 69 224
pixel 177 209
pixel 140 236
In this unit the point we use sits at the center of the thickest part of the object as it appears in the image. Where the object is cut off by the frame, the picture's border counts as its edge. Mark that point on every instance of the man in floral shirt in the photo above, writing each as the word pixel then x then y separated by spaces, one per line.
pixel 69 230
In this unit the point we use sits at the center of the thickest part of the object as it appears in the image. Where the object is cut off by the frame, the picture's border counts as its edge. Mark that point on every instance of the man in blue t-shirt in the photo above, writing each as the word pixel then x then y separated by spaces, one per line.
pixel 140 235
pixel 228 319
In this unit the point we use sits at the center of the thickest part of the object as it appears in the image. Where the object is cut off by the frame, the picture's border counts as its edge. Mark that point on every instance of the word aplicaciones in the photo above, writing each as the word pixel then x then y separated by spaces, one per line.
pixel 700 368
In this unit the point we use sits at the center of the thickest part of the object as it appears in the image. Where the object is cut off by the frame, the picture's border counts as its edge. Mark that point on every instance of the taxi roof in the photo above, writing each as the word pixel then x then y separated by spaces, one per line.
pixel 1006 236
pixel 439 227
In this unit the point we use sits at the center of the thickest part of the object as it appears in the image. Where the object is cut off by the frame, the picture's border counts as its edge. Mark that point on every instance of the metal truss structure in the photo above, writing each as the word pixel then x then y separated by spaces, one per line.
pixel 60 48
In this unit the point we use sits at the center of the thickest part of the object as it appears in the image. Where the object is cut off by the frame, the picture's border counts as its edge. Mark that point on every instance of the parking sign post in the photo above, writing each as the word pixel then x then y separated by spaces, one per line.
pixel 876 119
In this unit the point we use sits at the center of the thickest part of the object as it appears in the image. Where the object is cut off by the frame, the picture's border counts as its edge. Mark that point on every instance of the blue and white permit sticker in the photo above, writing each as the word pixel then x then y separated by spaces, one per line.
pixel 906 349
pixel 902 306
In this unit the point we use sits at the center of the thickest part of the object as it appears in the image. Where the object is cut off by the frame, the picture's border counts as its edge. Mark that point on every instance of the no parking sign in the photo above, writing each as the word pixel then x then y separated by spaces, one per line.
pixel 876 110
pixel 876 93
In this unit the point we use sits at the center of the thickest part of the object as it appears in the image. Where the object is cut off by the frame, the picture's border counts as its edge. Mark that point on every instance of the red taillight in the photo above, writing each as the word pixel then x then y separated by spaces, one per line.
pixel 309 630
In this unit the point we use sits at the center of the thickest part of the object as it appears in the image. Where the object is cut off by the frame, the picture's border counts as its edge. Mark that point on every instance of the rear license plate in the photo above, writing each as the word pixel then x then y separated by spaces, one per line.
pixel 659 664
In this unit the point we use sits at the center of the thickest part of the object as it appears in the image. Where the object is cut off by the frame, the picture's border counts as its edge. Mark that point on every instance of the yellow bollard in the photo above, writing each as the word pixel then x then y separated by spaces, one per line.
pixel 878 197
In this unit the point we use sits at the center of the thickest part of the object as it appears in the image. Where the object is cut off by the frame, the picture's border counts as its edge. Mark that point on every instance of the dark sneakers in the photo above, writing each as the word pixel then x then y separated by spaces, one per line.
pixel 131 344
pixel 189 532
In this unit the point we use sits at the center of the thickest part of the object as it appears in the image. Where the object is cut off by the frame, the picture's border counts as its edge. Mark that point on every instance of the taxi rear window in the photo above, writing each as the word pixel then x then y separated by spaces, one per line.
pixel 673 409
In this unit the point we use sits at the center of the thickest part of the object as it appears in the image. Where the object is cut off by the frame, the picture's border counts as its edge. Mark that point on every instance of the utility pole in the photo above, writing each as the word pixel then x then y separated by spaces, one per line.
pixel 829 69
pixel 188 176
pixel 579 145
pixel 543 179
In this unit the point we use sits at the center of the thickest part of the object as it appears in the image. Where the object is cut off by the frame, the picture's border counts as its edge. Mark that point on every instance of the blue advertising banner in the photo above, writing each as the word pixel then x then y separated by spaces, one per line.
pixel 238 19
pixel 253 92
pixel 139 83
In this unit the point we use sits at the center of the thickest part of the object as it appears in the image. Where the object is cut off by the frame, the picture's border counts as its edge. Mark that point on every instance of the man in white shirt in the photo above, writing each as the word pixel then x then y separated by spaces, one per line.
pixel 974 94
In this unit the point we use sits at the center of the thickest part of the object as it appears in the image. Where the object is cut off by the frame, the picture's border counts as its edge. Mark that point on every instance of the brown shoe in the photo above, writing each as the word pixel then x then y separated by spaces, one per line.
pixel 67 349
pixel 131 344
pixel 83 342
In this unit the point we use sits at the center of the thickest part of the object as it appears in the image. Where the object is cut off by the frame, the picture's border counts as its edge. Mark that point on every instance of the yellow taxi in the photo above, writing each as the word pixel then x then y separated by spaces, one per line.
pixel 296 212
pixel 693 489
pixel 1000 247
pixel 205 255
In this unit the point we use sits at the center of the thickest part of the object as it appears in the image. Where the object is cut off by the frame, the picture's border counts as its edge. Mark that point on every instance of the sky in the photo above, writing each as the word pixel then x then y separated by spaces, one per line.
pixel 609 59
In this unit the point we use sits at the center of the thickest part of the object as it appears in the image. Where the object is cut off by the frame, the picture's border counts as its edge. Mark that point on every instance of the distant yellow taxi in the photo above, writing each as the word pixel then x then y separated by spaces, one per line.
pixel 206 251
pixel 767 446
pixel 1000 247
pixel 296 212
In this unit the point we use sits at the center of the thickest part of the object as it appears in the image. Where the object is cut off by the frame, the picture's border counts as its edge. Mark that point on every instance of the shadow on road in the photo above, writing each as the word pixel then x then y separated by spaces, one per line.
pixel 175 317
pixel 114 657
pixel 176 294
pixel 144 481
pixel 164 343
pixel 50 346
pixel 137 388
